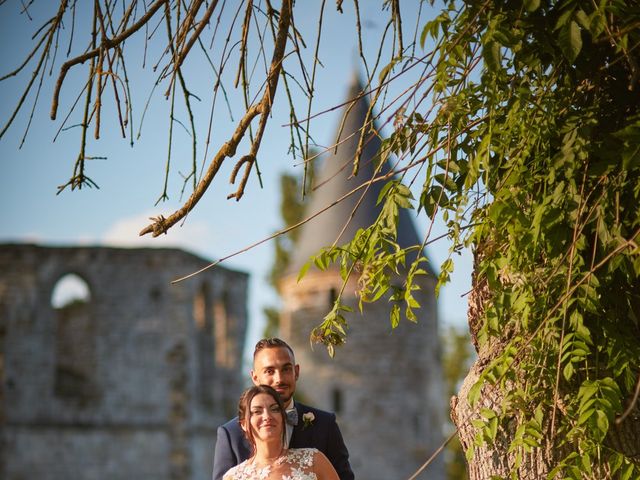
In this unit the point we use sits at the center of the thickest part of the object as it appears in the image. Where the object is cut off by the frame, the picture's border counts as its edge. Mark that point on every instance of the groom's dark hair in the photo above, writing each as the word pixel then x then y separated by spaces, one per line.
pixel 272 342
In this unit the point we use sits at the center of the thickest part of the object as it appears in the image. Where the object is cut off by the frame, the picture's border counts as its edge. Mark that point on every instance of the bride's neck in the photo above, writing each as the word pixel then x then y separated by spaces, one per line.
pixel 267 453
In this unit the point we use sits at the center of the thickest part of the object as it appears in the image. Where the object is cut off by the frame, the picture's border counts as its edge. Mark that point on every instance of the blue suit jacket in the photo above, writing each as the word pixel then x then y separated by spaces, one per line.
pixel 323 433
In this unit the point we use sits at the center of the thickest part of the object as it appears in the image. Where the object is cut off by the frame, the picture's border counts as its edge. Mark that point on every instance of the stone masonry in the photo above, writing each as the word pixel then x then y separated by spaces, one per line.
pixel 129 384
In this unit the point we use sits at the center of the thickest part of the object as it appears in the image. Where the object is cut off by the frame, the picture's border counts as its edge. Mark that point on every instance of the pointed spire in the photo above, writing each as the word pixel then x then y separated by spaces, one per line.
pixel 335 179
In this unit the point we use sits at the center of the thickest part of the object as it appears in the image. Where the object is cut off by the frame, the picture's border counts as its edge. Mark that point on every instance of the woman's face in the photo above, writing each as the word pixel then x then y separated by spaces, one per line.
pixel 265 417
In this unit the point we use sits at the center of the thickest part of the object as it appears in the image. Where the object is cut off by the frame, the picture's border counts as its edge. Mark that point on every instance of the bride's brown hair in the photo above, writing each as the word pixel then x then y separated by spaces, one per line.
pixel 244 409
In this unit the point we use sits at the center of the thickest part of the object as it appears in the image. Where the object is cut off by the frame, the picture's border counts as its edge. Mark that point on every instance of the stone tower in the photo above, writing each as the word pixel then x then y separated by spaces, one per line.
pixel 130 382
pixel 384 384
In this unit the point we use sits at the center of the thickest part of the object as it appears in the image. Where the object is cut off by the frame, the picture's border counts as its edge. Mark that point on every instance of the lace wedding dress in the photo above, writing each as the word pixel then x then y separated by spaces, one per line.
pixel 295 464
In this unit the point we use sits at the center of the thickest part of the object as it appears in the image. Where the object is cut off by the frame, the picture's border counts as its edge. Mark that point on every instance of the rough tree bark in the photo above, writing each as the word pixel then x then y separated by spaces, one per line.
pixel 499 459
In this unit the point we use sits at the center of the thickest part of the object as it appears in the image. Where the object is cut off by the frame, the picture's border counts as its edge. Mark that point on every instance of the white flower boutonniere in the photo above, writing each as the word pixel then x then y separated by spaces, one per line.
pixel 308 419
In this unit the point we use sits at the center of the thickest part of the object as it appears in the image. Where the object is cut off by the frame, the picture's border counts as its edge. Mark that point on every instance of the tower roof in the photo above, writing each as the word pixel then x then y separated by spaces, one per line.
pixel 334 180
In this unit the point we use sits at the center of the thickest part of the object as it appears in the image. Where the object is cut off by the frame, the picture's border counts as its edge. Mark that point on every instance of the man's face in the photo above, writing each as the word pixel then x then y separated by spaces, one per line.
pixel 275 367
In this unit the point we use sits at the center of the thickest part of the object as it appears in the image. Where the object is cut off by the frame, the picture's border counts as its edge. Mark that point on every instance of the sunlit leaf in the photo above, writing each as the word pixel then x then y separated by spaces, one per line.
pixel 570 39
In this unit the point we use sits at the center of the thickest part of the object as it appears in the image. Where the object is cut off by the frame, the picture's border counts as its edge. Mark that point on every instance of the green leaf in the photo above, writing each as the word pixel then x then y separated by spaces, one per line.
pixel 531 5
pixel 474 392
pixel 387 69
pixel 582 18
pixel 446 181
pixel 424 33
pixel 384 191
pixel 491 55
pixel 403 190
pixel 411 316
pixel 586 415
pixel 570 39
pixel 402 202
pixel 395 315
pixel 615 462
pixel 537 219
pixel 431 28
pixel 597 23
pixel 602 422
pixel 469 454
pixel 321 261
pixel 630 147
pixel 487 413
pixel 586 463
pixel 477 423
pixel 587 390
pixel 563 18
pixel 627 471
pixel 493 428
pixel 412 302
pixel 567 372
pixel 554 473
pixel 303 270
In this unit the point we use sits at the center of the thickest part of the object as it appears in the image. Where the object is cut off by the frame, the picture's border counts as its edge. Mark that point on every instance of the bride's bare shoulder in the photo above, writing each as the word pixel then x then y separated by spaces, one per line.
pixel 322 467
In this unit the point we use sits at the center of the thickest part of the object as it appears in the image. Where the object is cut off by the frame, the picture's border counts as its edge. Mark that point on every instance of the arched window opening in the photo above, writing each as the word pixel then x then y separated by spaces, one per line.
pixel 70 290
pixel 333 295
pixel 155 294
pixel 221 319
pixel 75 352
pixel 336 400
pixel 417 425
pixel 204 343
pixel 200 309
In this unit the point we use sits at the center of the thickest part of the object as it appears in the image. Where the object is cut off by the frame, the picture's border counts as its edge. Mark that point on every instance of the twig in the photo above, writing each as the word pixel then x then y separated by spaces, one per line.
pixel 292 227
pixel 632 404
pixel 106 43
pixel 54 27
pixel 272 85
pixel 227 150
pixel 195 36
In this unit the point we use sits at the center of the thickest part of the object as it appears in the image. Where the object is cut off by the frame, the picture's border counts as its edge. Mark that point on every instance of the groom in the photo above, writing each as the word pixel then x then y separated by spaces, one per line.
pixel 274 364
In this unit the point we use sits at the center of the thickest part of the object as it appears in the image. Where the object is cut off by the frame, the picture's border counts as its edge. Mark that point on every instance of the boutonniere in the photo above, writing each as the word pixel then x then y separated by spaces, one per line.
pixel 308 419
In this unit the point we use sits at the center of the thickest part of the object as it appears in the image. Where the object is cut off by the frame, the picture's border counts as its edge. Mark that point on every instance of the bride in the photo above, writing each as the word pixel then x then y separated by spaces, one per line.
pixel 262 417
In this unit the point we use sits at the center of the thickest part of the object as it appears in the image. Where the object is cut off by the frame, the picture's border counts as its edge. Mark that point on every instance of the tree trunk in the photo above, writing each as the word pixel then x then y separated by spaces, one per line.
pixel 499 458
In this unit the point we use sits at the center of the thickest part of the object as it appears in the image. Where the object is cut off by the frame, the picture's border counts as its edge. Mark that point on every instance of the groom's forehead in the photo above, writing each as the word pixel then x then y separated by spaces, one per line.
pixel 273 357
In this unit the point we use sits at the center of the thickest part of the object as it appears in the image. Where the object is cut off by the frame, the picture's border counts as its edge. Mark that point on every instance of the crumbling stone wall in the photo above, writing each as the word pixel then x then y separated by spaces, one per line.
pixel 127 384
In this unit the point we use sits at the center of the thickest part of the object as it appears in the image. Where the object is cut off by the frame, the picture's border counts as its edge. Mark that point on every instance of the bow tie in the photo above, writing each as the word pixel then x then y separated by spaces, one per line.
pixel 292 417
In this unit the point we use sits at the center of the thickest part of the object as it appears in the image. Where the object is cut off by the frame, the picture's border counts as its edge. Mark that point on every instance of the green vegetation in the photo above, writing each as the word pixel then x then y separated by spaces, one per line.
pixel 530 149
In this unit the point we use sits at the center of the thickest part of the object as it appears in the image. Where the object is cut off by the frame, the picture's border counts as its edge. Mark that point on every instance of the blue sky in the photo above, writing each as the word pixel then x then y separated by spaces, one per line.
pixel 131 178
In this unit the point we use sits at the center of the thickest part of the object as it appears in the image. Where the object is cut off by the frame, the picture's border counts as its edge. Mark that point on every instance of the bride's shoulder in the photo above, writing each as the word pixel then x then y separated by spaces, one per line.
pixel 302 455
pixel 302 451
pixel 236 473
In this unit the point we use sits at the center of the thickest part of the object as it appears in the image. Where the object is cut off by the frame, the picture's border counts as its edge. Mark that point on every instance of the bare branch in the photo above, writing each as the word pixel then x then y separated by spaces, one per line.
pixel 27 59
pixel 55 24
pixel 242 71
pixel 200 27
pixel 229 148
pixel 106 43
pixel 364 185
